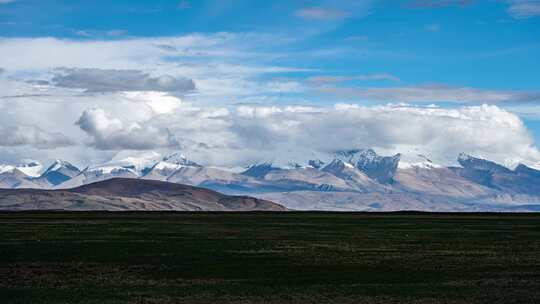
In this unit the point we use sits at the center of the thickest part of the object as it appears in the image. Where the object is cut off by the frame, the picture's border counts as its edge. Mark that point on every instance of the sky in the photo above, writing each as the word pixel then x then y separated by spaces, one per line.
pixel 232 82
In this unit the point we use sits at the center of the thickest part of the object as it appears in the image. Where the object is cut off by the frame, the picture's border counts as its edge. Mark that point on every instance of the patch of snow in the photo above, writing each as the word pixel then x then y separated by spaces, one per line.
pixel 417 161
pixel 6 169
pixel 31 168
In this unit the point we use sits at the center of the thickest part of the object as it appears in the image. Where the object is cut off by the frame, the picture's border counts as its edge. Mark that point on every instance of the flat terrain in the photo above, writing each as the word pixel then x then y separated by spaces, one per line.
pixel 268 258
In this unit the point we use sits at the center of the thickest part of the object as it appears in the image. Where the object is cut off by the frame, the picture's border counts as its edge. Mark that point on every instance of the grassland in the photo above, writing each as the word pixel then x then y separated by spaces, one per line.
pixel 268 258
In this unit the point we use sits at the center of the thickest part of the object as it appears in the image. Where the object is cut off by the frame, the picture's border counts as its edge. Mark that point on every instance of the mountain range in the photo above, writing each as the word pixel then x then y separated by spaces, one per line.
pixel 351 180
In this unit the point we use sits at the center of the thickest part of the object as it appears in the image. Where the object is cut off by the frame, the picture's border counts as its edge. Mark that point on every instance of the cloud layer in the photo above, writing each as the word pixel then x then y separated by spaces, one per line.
pixel 245 133
pixel 99 97
pixel 34 136
pixel 98 80
pixel 522 9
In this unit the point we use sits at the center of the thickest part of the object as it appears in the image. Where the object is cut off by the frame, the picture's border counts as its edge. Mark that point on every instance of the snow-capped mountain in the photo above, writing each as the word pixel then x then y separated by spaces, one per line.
pixel 473 163
pixel 417 161
pixel 59 172
pixel 179 159
pixel 13 178
pixel 29 168
pixel 167 166
pixel 380 168
pixel 357 179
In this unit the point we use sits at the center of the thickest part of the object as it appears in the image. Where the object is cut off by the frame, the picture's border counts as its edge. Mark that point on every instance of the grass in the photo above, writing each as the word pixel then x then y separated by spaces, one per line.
pixel 269 258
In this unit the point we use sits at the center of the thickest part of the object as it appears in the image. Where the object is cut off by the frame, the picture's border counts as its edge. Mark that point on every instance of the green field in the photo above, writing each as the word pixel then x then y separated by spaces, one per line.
pixel 268 258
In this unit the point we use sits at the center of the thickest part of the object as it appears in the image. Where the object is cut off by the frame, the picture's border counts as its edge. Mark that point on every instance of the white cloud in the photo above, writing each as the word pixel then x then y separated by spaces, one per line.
pixel 121 112
pixel 99 80
pixel 110 133
pixel 431 93
pixel 370 77
pixel 241 134
pixel 432 27
pixel 522 9
pixel 23 135
pixel 438 3
pixel 321 14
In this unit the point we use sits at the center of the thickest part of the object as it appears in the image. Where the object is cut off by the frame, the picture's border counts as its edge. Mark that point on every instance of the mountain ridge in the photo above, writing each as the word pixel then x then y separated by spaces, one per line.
pixel 368 178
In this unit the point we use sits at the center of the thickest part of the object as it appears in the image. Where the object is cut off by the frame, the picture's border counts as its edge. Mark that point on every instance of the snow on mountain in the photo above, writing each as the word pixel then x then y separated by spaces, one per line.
pixel 473 163
pixel 351 178
pixel 59 172
pixel 136 162
pixel 523 169
pixel 169 165
pixel 125 164
pixel 380 168
pixel 413 160
pixel 6 169
pixel 178 158
pixel 31 168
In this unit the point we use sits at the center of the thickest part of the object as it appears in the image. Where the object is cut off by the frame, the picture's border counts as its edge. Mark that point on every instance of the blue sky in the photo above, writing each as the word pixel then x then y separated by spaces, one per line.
pixel 448 54
pixel 477 44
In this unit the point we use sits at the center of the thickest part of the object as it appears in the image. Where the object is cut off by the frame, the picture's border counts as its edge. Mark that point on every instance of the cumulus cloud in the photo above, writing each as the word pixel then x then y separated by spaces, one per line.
pixel 32 136
pixel 245 133
pixel 99 80
pixel 109 133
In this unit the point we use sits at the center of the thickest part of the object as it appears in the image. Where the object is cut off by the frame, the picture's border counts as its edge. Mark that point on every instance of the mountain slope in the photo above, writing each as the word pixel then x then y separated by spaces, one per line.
pixel 131 194
pixel 59 172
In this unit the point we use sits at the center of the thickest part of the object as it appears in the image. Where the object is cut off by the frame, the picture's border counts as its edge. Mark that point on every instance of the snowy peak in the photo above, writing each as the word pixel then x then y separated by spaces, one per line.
pixel 179 159
pixel 6 169
pixel 137 162
pixel 337 166
pixel 380 168
pixel 420 161
pixel 62 166
pixel 59 172
pixel 31 168
pixel 523 169
pixel 478 164
pixel 125 163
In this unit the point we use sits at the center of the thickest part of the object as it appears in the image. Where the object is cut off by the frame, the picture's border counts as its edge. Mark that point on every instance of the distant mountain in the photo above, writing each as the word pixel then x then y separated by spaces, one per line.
pixel 380 168
pixel 357 179
pixel 13 178
pixel 59 172
pixel 21 176
pixel 477 164
pixel 31 168
pixel 131 194
pixel 259 170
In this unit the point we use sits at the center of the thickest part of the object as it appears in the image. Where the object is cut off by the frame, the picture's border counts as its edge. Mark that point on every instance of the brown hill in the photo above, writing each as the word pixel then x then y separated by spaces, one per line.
pixel 131 194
